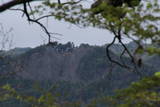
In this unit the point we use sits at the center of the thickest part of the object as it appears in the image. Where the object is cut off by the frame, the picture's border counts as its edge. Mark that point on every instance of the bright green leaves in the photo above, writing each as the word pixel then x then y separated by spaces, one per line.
pixel 157 74
pixel 142 93
pixel 133 21
pixel 99 8
pixel 6 87
pixel 153 50
pixel 69 11
pixel 45 100
pixel 134 3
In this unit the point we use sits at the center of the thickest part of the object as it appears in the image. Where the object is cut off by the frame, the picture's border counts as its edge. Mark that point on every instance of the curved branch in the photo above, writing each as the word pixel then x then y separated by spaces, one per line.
pixel 128 52
pixel 118 35
pixel 12 3
pixel 37 22
pixel 109 57
pixel 121 56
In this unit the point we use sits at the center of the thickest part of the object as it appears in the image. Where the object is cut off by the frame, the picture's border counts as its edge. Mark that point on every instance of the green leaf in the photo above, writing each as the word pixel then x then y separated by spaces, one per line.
pixel 157 74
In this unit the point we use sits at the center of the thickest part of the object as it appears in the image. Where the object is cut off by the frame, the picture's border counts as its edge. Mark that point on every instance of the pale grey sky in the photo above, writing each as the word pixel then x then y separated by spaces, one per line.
pixel 31 35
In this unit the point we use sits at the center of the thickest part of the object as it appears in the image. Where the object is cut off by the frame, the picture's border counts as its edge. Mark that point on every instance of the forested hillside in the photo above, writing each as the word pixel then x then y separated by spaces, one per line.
pixel 70 73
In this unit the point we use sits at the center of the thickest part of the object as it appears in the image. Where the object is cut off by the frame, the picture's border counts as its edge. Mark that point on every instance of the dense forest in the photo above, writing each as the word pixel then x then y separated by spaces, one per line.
pixel 71 74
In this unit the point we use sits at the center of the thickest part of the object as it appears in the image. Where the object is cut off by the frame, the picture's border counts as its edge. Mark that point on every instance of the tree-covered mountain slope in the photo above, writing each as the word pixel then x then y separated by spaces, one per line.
pixel 76 73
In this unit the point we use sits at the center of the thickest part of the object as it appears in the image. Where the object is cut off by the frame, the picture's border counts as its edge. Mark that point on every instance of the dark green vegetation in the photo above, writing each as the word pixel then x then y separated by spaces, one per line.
pixel 71 75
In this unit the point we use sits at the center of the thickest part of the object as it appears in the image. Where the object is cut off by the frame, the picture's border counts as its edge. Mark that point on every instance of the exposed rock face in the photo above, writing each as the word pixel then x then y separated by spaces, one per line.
pixel 46 63
pixel 83 72
pixel 66 63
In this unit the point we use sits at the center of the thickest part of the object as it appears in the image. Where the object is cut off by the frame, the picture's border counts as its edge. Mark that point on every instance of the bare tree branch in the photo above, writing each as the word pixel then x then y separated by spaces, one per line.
pixel 118 35
pixel 12 3
pixel 36 21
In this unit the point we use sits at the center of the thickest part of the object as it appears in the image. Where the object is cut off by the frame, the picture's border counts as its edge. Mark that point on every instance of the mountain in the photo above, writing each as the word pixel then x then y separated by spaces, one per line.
pixel 78 73
pixel 14 52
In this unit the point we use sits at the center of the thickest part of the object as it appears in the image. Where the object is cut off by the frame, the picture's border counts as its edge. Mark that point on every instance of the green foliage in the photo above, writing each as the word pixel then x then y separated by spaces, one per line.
pixel 45 100
pixel 157 74
pixel 139 22
pixel 153 50
pixel 142 93
pixel 95 84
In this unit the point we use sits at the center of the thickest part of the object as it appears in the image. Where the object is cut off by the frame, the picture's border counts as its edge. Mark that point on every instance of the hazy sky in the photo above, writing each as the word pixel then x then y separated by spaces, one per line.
pixel 31 35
